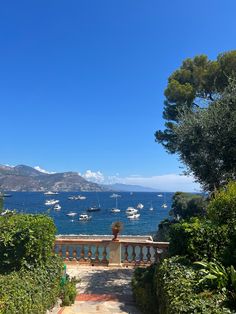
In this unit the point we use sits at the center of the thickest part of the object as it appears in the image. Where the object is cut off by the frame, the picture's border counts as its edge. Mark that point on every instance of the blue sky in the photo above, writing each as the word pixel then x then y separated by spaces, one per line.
pixel 81 82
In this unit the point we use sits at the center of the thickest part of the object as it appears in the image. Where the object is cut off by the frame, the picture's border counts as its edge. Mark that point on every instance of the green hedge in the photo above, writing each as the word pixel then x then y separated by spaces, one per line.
pixel 198 239
pixel 171 288
pixel 25 240
pixel 31 291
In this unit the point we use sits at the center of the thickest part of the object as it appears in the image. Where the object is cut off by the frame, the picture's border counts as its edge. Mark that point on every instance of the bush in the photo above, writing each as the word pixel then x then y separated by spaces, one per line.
pixel 198 239
pixel 222 208
pixel 177 290
pixel 31 291
pixel 163 232
pixel 144 289
pixel 187 205
pixel 25 240
pixel 68 291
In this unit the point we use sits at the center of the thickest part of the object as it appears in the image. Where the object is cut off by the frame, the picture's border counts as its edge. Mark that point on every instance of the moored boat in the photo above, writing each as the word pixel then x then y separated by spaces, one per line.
pixel 84 217
pixel 51 202
pixel 131 211
pixel 133 216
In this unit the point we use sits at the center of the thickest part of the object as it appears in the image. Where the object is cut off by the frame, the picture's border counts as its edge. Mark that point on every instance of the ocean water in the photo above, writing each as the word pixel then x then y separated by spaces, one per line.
pixel 101 221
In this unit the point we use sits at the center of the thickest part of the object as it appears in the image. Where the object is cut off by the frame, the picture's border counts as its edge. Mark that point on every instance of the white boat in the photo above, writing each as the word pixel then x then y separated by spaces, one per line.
pixel 131 211
pixel 115 195
pixel 50 193
pixel 140 206
pixel 71 214
pixel 115 209
pixel 84 217
pixel 77 197
pixel 133 216
pixel 51 202
pixel 159 195
pixel 151 207
pixel 164 205
pixel 57 207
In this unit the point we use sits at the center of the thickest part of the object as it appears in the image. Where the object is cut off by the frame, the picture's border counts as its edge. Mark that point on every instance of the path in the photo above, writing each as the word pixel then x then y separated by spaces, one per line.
pixel 102 290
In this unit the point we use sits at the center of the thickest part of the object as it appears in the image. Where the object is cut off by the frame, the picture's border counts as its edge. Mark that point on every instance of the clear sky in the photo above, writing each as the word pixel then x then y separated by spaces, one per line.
pixel 81 82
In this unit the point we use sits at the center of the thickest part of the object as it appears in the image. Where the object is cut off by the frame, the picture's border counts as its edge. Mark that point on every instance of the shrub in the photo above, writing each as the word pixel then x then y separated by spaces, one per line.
pixel 68 291
pixel 177 290
pixel 198 239
pixel 163 232
pixel 187 205
pixel 222 208
pixel 144 289
pixel 25 240
pixel 31 291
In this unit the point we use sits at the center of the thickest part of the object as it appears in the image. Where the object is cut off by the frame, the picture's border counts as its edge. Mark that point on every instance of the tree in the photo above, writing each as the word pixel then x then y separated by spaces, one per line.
pixel 200 110
pixel 197 83
pixel 1 203
pixel 187 205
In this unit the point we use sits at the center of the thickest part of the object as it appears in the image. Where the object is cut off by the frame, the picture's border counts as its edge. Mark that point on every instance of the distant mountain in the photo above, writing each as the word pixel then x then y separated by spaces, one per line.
pixel 119 187
pixel 25 178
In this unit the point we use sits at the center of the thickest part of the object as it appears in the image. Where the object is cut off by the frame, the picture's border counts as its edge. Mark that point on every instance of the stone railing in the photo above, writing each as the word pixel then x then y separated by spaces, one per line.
pixel 101 250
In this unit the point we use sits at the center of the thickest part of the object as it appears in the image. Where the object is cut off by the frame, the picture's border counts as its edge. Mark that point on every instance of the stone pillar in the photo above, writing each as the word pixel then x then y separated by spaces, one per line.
pixel 115 253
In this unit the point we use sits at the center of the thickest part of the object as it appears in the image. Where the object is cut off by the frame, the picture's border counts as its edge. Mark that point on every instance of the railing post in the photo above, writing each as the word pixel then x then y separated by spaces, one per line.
pixel 115 253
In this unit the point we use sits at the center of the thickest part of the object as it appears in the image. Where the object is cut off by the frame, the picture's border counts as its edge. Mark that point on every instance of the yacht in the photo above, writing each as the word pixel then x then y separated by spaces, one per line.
pixel 93 209
pixel 140 206
pixel 84 217
pixel 151 207
pixel 164 205
pixel 50 193
pixel 57 207
pixel 115 209
pixel 159 195
pixel 71 214
pixel 131 211
pixel 133 216
pixel 77 198
pixel 51 202
pixel 115 195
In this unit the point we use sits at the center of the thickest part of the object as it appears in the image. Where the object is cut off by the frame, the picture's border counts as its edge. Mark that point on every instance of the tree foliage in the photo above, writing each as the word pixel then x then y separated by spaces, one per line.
pixel 187 205
pixel 200 114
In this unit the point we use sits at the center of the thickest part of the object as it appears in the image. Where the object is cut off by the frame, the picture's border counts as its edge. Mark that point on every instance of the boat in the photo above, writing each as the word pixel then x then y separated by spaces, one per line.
pixel 115 209
pixel 159 195
pixel 131 211
pixel 77 197
pixel 50 193
pixel 151 207
pixel 133 216
pixel 115 195
pixel 57 207
pixel 140 206
pixel 6 195
pixel 84 217
pixel 164 205
pixel 71 214
pixel 93 209
pixel 51 202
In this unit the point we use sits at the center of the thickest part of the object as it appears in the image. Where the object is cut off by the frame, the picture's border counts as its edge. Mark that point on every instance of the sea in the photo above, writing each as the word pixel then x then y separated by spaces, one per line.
pixel 101 221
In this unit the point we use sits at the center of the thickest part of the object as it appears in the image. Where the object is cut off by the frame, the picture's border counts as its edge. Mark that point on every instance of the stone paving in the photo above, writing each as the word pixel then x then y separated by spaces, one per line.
pixel 102 290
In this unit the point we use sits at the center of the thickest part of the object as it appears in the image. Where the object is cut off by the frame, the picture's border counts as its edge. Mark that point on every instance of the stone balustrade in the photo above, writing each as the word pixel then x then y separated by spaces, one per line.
pixel 101 250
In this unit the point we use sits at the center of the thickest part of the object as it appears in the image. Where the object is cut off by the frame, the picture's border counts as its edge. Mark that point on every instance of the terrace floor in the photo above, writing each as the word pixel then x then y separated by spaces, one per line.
pixel 101 290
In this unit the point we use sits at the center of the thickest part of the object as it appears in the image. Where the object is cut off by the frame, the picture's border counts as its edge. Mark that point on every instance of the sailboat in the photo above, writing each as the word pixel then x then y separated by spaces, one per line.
pixel 164 205
pixel 116 209
pixel 95 208
pixel 151 207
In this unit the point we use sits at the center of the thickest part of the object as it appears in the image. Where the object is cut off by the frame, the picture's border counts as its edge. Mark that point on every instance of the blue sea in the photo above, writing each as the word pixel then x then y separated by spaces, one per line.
pixel 101 221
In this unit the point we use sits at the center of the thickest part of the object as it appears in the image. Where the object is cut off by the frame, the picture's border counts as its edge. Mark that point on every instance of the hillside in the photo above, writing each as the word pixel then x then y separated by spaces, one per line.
pixel 25 178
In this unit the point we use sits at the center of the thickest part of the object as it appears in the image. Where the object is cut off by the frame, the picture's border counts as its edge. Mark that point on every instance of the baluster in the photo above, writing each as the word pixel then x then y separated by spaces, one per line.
pixel 104 254
pixel 133 254
pixel 74 253
pixel 126 254
pixel 148 255
pixel 89 253
pixel 67 253
pixel 141 254
pixel 60 250
pixel 97 255
pixel 156 255
pixel 82 253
